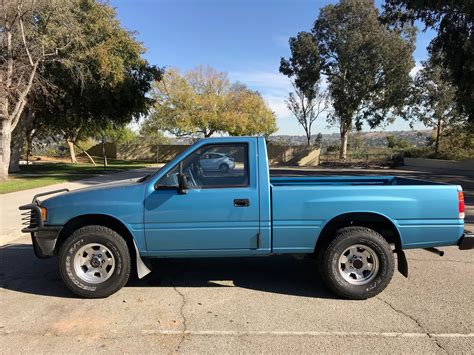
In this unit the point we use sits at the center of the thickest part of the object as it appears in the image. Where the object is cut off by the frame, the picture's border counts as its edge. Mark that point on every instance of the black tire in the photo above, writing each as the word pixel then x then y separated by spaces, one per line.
pixel 223 168
pixel 330 266
pixel 116 246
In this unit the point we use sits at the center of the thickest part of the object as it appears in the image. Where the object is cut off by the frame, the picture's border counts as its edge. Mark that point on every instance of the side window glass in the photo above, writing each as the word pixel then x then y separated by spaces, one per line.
pixel 213 166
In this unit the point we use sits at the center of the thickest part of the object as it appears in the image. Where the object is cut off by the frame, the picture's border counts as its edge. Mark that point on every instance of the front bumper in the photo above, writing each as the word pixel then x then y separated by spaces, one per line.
pixel 467 241
pixel 43 236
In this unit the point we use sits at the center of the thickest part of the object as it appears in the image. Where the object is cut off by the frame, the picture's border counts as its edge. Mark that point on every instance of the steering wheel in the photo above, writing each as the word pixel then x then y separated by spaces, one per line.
pixel 198 169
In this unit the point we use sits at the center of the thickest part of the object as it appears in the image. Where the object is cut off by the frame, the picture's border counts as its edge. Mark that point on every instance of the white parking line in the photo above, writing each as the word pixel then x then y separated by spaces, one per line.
pixel 304 333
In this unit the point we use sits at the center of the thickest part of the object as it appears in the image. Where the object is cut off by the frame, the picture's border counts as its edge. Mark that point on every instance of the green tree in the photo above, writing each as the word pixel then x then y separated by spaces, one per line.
pixel 152 134
pixel 391 141
pixel 203 101
pixel 318 140
pixel 33 34
pixel 366 64
pixel 396 143
pixel 308 101
pixel 247 113
pixel 454 23
pixel 105 85
pixel 356 142
pixel 116 134
pixel 435 100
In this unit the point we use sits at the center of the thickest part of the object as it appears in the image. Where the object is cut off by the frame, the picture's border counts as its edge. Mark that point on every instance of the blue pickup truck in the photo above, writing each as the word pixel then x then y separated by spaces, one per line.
pixel 353 226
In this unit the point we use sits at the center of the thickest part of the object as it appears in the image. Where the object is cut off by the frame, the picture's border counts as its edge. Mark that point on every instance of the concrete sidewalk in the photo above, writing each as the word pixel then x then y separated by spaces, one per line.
pixel 10 219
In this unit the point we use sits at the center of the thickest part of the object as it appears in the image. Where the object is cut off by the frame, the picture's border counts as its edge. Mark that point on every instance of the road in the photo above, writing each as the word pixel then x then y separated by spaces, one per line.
pixel 275 304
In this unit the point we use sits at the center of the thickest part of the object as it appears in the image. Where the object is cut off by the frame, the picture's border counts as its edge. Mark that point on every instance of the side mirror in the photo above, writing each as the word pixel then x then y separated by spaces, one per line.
pixel 182 184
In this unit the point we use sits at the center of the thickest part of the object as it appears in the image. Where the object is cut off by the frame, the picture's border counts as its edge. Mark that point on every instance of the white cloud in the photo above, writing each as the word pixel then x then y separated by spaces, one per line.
pixel 263 81
pixel 273 86
pixel 277 104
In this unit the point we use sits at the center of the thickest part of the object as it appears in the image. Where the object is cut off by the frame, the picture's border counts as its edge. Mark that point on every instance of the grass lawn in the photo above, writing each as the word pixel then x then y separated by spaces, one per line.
pixel 44 174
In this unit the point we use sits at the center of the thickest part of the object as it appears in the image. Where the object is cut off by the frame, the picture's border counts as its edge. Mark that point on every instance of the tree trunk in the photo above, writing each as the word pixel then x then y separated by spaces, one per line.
pixel 16 148
pixel 87 154
pixel 22 132
pixel 438 134
pixel 344 139
pixel 5 140
pixel 72 153
pixel 209 133
pixel 308 137
pixel 29 147
pixel 104 155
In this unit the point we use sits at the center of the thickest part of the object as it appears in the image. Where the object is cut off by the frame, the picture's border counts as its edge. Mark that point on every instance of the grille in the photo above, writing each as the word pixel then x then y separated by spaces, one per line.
pixel 29 219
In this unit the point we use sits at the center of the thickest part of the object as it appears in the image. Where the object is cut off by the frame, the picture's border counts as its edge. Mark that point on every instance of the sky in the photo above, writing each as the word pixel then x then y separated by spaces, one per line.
pixel 245 38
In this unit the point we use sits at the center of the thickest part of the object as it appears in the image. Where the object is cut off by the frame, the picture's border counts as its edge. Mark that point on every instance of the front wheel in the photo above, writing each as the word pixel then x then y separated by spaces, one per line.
pixel 357 264
pixel 224 168
pixel 94 262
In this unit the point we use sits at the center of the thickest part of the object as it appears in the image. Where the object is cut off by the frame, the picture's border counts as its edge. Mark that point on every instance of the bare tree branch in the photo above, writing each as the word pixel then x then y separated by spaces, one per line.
pixel 20 104
pixel 23 37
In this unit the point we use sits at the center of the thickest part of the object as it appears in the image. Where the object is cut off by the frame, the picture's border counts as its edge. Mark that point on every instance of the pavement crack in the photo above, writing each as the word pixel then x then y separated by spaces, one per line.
pixel 416 321
pixel 181 310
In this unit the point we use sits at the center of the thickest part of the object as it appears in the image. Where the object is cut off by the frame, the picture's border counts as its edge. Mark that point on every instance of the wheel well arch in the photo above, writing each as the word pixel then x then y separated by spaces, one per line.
pixel 101 220
pixel 379 223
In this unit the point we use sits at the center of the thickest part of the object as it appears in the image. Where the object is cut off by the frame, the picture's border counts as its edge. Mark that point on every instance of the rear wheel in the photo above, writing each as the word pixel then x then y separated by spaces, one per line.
pixel 94 262
pixel 357 264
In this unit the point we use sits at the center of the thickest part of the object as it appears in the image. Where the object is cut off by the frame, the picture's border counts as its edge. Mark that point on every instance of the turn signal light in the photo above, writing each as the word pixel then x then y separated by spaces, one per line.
pixel 43 213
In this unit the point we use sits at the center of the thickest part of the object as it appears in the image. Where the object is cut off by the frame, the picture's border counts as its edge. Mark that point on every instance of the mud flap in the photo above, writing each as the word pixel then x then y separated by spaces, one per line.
pixel 142 269
pixel 402 263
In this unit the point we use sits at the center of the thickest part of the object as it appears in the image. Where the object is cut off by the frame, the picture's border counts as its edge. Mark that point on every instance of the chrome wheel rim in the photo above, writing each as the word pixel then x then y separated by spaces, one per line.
pixel 358 264
pixel 94 263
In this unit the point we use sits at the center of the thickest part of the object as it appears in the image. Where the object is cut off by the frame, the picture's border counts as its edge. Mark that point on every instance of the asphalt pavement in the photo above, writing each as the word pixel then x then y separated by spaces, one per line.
pixel 239 305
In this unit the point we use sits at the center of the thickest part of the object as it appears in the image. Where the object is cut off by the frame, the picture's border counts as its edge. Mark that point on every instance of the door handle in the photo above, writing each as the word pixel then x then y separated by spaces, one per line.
pixel 241 202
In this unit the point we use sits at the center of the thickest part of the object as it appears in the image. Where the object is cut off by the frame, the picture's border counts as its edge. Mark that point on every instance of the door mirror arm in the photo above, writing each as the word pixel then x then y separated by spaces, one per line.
pixel 182 181
pixel 182 184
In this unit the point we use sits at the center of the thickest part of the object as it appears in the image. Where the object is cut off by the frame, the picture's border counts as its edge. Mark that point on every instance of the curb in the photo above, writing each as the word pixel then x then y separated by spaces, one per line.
pixel 10 236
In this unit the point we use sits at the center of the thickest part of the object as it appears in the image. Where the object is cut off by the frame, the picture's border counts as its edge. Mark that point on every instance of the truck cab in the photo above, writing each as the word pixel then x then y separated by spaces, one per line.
pixel 195 211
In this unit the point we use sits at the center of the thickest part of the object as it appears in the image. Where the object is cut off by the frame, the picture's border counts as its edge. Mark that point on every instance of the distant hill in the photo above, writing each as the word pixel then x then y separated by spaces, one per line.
pixel 369 139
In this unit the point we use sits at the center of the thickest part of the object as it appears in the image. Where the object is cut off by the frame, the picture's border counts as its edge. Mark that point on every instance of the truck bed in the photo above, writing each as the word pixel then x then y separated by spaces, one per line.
pixel 425 213
pixel 346 180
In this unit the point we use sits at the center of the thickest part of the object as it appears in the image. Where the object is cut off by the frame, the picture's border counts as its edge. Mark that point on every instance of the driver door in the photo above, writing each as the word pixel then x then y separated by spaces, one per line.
pixel 220 211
